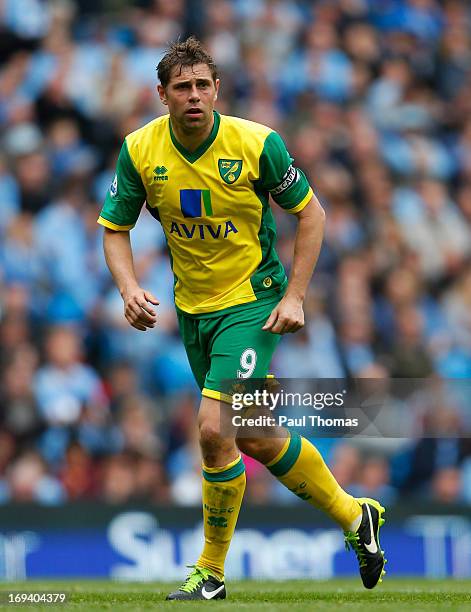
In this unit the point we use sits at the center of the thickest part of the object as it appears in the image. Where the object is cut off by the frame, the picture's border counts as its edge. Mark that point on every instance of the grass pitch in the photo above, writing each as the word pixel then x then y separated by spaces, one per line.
pixel 394 594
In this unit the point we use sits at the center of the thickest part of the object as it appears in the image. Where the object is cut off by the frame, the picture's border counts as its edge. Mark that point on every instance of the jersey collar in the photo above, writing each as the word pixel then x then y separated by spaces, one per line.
pixel 193 156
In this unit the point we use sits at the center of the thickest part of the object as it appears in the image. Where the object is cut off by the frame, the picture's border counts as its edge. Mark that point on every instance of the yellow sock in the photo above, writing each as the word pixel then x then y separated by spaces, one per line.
pixel 300 467
pixel 223 490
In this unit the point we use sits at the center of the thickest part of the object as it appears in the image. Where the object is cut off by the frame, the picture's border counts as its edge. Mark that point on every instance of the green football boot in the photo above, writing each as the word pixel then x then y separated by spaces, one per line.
pixel 200 584
pixel 365 543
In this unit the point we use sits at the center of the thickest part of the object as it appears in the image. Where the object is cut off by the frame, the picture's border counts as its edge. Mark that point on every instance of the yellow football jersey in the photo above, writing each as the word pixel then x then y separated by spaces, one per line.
pixel 213 205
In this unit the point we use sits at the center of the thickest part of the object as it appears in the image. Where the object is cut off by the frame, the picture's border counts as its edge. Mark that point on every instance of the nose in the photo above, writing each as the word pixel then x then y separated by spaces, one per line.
pixel 194 94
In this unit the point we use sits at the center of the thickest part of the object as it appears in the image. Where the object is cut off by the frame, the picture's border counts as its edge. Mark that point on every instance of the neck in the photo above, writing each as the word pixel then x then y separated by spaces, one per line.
pixel 191 139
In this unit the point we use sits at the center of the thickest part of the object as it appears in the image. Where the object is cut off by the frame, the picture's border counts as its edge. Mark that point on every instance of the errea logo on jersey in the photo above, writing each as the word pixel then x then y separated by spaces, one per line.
pixel 196 203
pixel 160 173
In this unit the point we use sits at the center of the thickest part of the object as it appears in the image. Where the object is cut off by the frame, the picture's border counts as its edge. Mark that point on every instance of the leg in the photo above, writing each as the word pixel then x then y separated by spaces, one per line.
pixel 216 347
pixel 223 490
pixel 216 451
pixel 223 486
pixel 299 466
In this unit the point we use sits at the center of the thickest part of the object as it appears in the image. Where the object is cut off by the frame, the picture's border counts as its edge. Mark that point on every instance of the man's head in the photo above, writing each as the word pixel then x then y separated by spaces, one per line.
pixel 188 84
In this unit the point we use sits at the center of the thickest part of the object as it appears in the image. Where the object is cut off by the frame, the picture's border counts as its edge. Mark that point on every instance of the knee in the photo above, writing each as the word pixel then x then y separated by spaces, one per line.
pixel 253 447
pixel 210 437
pixel 261 449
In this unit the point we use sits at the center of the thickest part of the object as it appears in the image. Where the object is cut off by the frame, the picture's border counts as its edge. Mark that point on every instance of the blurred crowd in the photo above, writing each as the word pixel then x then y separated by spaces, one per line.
pixel 374 102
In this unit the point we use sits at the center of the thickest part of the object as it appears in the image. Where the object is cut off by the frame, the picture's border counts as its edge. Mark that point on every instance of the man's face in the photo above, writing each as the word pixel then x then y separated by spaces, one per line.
pixel 190 96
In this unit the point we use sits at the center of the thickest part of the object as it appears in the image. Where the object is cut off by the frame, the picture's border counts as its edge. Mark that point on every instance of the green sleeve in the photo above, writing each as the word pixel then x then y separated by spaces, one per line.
pixel 125 196
pixel 287 185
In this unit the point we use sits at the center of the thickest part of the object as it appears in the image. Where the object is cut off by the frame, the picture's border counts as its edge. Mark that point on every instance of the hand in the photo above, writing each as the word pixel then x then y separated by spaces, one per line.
pixel 137 311
pixel 286 317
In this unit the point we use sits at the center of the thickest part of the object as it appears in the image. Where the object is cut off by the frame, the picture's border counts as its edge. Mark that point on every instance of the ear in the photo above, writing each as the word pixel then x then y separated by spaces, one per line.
pixel 162 95
pixel 216 85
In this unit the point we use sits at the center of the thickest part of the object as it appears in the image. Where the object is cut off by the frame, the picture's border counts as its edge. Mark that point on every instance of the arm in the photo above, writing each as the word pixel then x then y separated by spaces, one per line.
pixel 290 189
pixel 288 315
pixel 118 255
pixel 119 214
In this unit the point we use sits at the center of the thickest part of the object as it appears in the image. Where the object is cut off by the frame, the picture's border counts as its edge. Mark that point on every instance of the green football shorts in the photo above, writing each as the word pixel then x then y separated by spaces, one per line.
pixel 228 346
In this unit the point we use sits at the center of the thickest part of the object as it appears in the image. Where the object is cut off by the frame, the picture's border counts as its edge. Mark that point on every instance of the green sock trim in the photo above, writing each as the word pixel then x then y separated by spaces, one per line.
pixel 281 467
pixel 230 474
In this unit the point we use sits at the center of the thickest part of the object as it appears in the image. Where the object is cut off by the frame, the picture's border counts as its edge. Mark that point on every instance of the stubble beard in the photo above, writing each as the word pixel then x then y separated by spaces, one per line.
pixel 191 127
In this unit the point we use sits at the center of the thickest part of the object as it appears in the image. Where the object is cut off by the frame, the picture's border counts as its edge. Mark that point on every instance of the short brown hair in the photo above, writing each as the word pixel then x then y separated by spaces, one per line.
pixel 186 53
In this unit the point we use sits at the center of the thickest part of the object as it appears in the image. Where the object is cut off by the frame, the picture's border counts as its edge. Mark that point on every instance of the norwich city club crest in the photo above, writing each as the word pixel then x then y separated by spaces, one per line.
pixel 230 170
